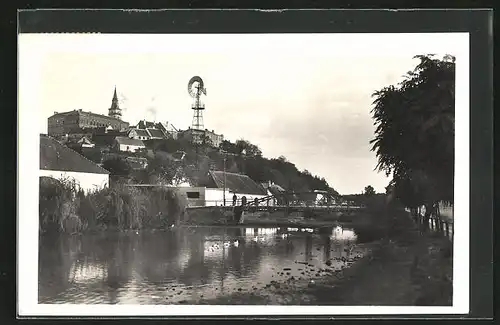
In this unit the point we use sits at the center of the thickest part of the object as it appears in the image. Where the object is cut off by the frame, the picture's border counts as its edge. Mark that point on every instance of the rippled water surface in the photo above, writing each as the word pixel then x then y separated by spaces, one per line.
pixel 184 264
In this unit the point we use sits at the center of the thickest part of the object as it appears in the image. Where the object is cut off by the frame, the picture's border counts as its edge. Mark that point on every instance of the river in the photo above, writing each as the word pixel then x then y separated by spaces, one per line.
pixel 184 265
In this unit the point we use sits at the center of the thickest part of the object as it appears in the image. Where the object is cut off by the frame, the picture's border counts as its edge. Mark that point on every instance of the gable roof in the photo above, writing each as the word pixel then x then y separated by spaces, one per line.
pixel 236 183
pixel 84 140
pixel 156 133
pixel 129 142
pixel 141 132
pixel 56 156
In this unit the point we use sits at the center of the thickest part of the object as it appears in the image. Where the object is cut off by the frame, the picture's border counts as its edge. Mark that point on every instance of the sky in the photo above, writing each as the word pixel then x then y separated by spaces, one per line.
pixel 303 96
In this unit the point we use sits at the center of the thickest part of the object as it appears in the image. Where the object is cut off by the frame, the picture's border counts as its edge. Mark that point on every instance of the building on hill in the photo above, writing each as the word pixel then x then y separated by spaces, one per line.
pixel 128 144
pixel 60 162
pixel 198 136
pixel 115 110
pixel 78 121
pixel 139 134
pixel 105 137
pixel 145 130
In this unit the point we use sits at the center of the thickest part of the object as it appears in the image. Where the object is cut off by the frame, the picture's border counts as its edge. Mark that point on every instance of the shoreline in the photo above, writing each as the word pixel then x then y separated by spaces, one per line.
pixel 411 269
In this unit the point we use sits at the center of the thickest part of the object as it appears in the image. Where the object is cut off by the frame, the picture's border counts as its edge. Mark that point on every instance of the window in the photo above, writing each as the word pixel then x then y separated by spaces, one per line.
pixel 193 195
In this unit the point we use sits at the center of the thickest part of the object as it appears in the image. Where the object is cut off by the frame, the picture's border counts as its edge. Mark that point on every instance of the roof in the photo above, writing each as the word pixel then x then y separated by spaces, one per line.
pixel 129 141
pixel 84 140
pixel 236 183
pixel 56 156
pixel 80 112
pixel 143 124
pixel 137 162
pixel 156 133
pixel 141 132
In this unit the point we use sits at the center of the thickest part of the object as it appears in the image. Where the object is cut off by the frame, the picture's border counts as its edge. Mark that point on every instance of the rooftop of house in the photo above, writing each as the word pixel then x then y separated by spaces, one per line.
pixel 141 133
pixel 237 183
pixel 129 142
pixel 58 157
pixel 156 133
pixel 143 124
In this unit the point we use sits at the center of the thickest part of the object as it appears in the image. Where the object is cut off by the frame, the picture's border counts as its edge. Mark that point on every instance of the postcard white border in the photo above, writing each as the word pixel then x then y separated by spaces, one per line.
pixel 356 44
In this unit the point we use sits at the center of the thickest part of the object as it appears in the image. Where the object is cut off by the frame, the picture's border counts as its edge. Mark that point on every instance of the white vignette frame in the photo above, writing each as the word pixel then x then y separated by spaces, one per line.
pixel 456 44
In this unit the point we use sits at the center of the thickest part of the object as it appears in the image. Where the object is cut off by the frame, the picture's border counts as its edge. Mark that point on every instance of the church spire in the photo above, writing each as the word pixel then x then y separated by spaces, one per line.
pixel 114 110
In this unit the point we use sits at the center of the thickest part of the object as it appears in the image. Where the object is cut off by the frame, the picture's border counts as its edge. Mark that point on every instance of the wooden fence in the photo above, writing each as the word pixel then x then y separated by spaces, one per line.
pixel 442 224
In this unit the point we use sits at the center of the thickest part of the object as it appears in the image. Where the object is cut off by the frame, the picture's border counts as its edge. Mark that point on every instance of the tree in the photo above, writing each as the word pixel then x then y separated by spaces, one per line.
pixel 164 169
pixel 117 167
pixel 369 190
pixel 249 149
pixel 414 137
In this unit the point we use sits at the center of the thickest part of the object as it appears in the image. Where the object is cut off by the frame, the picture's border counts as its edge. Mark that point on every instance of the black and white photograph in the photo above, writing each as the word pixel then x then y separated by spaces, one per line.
pixel 189 174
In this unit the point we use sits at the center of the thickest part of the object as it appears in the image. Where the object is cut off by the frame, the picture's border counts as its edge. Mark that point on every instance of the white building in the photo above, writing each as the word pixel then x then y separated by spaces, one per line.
pixel 213 193
pixel 128 144
pixel 139 134
pixel 156 130
pixel 60 162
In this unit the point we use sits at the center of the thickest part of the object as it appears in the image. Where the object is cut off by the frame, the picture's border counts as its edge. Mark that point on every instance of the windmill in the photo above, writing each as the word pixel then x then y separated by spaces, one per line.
pixel 195 90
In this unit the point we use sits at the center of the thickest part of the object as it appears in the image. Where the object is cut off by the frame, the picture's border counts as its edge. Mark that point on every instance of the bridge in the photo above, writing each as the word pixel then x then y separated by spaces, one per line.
pixel 288 202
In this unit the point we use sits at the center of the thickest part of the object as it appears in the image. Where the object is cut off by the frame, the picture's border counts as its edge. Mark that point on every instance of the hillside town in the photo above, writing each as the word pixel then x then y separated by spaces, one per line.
pixel 87 147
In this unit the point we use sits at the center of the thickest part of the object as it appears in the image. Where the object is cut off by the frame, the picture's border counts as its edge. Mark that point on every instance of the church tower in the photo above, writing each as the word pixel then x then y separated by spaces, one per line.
pixel 114 110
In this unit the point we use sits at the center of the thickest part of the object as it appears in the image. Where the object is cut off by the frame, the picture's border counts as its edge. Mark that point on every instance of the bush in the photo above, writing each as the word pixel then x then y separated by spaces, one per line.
pixel 65 209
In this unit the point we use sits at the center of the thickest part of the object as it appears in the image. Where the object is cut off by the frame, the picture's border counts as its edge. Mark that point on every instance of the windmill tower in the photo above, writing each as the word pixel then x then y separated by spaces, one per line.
pixel 195 90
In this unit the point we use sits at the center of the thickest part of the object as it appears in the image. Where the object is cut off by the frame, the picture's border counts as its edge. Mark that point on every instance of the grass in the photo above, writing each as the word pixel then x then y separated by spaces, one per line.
pixel 64 208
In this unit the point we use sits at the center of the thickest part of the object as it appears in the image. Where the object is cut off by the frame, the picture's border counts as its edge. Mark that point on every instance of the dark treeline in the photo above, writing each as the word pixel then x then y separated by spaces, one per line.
pixel 414 137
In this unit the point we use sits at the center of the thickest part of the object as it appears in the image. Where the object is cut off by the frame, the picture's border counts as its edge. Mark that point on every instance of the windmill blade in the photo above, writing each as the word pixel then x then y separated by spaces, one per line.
pixel 199 82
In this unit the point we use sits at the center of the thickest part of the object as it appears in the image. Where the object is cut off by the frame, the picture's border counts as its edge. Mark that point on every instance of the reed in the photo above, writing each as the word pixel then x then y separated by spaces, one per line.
pixel 65 208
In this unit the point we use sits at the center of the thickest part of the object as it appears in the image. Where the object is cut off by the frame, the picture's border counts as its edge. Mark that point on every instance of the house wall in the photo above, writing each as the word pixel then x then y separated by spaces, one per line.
pixel 86 181
pixel 73 121
pixel 250 198
pixel 130 148
pixel 215 196
pixel 133 134
pixel 188 193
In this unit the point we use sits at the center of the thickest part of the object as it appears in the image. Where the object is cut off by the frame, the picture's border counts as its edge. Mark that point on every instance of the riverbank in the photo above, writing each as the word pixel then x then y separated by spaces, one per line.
pixel 64 208
pixel 405 268
pixel 217 216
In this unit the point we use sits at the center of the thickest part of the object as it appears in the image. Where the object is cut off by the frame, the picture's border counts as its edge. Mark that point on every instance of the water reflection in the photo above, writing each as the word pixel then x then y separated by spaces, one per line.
pixel 184 264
